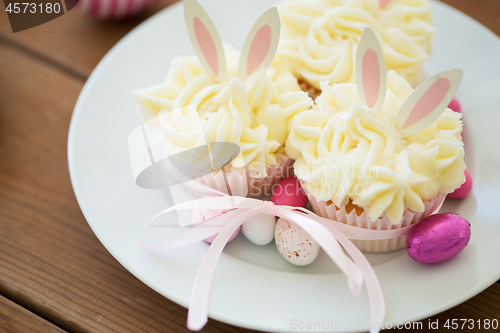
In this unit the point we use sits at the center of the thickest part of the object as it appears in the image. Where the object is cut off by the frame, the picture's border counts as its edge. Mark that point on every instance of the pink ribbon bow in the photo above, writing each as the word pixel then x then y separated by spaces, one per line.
pixel 326 232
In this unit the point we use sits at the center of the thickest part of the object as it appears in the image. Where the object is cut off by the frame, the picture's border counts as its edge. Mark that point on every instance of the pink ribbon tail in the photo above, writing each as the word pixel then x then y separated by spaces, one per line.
pixel 375 294
pixel 198 305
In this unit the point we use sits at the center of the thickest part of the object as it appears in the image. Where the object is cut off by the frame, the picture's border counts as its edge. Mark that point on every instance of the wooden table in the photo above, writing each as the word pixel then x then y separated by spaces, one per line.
pixel 55 275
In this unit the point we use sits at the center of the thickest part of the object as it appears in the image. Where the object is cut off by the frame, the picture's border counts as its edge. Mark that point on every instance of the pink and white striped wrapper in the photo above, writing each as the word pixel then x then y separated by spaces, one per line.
pixel 113 9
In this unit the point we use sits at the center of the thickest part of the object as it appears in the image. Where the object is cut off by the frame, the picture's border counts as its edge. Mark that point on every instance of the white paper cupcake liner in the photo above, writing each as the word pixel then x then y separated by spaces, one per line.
pixel 330 211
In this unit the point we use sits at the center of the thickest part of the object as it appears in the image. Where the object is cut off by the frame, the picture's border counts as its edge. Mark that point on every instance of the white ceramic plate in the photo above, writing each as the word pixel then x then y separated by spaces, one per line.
pixel 253 286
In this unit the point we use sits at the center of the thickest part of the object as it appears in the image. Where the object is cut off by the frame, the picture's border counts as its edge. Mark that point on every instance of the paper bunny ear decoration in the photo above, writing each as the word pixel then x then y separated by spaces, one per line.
pixel 424 105
pixel 261 44
pixel 204 37
pixel 258 51
pixel 371 75
pixel 427 102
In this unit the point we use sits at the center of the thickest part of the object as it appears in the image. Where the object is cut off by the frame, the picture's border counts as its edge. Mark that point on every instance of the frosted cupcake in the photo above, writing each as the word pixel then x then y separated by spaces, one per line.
pixel 225 97
pixel 320 37
pixel 377 157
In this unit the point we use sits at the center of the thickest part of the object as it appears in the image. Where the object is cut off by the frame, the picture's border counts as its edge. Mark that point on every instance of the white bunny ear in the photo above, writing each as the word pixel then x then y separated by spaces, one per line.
pixel 261 44
pixel 371 77
pixel 204 37
pixel 427 102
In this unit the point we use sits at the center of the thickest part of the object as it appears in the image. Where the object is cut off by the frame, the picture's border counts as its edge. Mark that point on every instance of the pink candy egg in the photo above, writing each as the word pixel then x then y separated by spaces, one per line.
pixel 463 190
pixel 113 9
pixel 289 192
pixel 294 244
pixel 200 215
pixel 455 105
pixel 438 237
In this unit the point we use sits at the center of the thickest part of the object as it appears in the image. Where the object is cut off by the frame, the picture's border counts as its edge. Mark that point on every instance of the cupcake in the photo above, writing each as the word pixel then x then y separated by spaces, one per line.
pixel 231 99
pixel 319 38
pixel 379 159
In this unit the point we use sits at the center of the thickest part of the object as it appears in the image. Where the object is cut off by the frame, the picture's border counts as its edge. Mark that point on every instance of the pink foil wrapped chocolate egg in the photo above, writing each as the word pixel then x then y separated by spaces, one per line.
pixel 464 189
pixel 200 215
pixel 289 192
pixel 438 237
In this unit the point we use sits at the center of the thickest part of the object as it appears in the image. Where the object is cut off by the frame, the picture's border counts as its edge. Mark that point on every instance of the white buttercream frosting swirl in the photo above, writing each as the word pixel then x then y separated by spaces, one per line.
pixel 346 151
pixel 195 108
pixel 320 37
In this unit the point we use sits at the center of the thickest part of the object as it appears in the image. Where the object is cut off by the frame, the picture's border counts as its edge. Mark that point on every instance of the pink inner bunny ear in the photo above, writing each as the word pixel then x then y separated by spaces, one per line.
pixel 384 3
pixel 371 79
pixel 204 37
pixel 427 102
pixel 206 44
pixel 261 44
pixel 259 49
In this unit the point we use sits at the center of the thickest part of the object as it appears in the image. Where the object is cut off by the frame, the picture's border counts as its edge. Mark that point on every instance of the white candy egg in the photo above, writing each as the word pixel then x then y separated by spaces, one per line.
pixel 259 229
pixel 294 244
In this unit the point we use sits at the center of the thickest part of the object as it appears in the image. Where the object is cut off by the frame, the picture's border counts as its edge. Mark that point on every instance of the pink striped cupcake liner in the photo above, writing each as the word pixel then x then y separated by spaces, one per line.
pixel 332 212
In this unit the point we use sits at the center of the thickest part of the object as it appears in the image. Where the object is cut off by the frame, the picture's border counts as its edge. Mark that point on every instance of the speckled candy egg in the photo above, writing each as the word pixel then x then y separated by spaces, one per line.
pixel 294 244
pixel 113 9
pixel 288 192
pixel 438 237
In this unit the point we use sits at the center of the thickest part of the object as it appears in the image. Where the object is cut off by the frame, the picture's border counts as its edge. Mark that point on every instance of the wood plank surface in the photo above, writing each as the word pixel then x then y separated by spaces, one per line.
pixel 484 11
pixel 74 41
pixel 485 306
pixel 51 263
pixel 16 319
